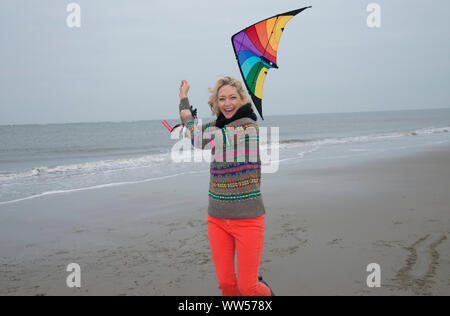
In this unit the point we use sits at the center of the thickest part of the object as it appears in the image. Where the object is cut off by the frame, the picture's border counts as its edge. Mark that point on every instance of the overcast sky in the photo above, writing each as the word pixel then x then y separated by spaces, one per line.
pixel 126 61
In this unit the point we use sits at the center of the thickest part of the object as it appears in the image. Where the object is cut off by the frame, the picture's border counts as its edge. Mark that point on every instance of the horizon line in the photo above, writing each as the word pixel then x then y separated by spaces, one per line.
pixel 161 119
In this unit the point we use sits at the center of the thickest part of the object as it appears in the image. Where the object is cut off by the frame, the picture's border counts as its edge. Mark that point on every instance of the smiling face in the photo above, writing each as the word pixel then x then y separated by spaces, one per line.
pixel 229 101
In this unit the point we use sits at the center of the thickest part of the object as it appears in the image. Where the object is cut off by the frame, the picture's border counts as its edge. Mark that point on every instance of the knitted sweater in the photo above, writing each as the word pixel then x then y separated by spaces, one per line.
pixel 234 187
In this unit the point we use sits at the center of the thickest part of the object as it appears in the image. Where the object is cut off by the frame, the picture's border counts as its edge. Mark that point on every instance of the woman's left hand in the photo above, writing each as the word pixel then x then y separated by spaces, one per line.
pixel 184 89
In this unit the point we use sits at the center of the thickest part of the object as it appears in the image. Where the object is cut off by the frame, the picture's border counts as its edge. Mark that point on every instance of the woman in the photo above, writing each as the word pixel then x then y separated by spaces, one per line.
pixel 236 211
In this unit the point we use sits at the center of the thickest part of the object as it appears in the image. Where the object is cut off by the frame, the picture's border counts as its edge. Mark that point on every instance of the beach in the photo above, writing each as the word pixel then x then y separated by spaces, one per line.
pixel 324 225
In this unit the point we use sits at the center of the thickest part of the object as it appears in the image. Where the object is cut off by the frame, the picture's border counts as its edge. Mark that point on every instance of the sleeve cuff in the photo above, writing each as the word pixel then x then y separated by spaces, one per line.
pixel 184 104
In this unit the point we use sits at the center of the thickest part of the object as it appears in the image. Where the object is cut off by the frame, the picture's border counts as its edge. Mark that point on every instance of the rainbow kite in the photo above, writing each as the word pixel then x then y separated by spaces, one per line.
pixel 256 52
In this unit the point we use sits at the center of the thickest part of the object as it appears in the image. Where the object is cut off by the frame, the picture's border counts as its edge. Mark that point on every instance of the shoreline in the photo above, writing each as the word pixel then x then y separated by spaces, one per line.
pixel 29 183
pixel 324 225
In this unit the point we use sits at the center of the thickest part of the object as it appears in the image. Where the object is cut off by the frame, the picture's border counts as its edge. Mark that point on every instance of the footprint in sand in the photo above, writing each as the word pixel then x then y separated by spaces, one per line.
pixel 421 265
pixel 292 237
pixel 335 242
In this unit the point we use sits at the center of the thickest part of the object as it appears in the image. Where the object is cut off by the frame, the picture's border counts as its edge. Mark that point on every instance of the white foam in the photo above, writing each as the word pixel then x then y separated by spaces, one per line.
pixel 89 167
pixel 101 186
pixel 363 138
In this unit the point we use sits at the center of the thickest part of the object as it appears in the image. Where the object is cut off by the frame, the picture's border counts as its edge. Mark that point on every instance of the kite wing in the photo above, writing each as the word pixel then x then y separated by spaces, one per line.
pixel 256 52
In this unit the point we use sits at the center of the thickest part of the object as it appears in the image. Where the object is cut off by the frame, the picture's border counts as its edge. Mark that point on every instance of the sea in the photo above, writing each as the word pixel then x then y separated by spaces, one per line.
pixel 40 160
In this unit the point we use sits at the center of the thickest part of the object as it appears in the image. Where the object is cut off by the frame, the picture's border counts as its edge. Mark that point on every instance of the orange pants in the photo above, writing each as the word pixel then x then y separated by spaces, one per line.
pixel 244 237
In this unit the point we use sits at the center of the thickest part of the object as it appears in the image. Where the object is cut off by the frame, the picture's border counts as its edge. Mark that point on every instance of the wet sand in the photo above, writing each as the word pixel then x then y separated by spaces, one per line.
pixel 324 226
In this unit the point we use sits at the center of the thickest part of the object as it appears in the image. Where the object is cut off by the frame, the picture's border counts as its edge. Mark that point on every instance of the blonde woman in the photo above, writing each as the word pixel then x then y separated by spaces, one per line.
pixel 236 221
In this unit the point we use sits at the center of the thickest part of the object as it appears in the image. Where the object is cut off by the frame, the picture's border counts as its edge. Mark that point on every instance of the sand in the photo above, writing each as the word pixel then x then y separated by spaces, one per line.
pixel 324 226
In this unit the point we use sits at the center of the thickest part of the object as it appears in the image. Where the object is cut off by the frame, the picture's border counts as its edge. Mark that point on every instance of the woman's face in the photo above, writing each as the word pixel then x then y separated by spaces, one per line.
pixel 229 101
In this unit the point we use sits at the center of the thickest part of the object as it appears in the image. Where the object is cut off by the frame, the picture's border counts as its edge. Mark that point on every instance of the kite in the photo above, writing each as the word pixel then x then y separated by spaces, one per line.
pixel 256 52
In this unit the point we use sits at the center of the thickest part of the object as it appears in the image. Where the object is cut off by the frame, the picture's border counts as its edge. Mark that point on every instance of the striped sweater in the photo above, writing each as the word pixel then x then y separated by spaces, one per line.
pixel 235 180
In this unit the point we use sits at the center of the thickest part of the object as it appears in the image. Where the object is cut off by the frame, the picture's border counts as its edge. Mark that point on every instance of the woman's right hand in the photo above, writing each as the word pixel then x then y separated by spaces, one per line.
pixel 184 89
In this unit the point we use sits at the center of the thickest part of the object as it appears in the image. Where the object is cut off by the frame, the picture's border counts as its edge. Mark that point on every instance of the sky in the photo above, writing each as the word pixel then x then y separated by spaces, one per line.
pixel 126 61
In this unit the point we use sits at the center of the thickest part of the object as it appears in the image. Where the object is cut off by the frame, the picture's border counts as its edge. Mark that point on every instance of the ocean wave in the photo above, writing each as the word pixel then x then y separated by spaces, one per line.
pixel 161 159
pixel 100 186
pixel 83 150
pixel 88 167
pixel 293 143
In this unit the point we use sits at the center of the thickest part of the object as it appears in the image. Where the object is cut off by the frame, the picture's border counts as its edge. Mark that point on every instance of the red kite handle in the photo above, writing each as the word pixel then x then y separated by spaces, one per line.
pixel 167 126
pixel 171 129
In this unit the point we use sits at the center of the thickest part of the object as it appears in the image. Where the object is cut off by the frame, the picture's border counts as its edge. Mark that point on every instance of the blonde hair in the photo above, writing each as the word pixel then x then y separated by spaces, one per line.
pixel 225 81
